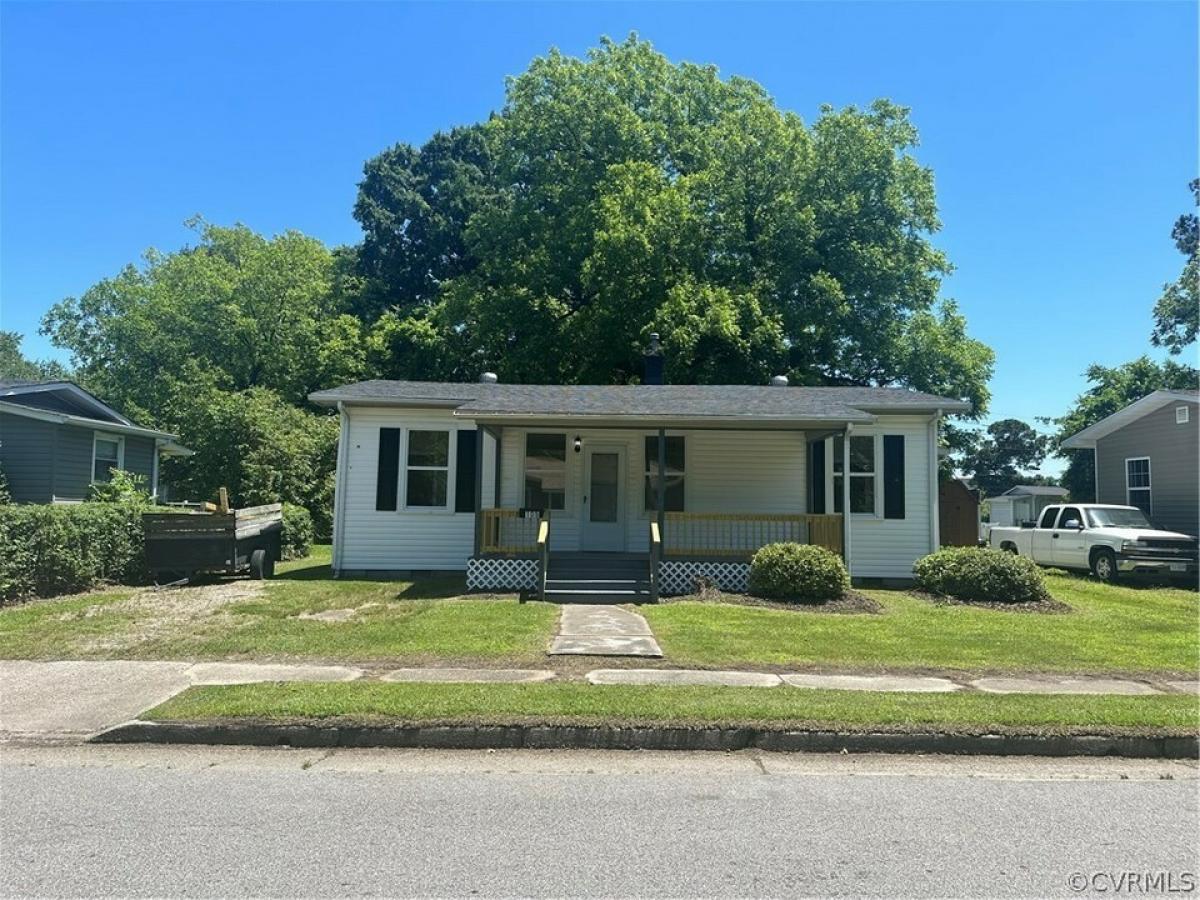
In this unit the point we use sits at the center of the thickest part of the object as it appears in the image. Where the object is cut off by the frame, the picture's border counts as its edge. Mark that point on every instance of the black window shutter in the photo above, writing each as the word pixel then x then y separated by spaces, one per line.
pixel 464 475
pixel 387 475
pixel 893 476
pixel 816 476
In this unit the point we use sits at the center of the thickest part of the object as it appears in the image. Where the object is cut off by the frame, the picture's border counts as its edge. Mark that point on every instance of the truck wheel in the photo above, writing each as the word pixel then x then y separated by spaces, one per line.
pixel 1104 565
pixel 261 565
pixel 1009 548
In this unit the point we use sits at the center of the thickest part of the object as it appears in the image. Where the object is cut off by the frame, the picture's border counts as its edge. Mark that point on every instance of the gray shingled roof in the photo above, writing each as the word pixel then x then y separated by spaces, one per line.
pixel 852 404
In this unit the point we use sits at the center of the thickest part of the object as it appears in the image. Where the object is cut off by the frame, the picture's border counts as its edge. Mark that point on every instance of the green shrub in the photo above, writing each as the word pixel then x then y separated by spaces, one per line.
pixel 297 532
pixel 980 573
pixel 122 487
pixel 47 550
pixel 798 572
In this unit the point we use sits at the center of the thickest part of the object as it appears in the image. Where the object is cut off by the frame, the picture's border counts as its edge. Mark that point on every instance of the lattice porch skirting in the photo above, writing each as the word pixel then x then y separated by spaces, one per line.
pixel 489 573
pixel 678 576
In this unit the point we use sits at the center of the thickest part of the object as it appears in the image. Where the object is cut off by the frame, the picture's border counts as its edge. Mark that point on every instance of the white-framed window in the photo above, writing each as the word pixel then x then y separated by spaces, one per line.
pixel 545 470
pixel 674 488
pixel 427 470
pixel 865 456
pixel 1182 415
pixel 108 453
pixel 1137 483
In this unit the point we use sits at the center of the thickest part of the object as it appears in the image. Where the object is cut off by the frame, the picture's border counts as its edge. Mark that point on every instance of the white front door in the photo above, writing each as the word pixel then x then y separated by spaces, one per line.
pixel 604 498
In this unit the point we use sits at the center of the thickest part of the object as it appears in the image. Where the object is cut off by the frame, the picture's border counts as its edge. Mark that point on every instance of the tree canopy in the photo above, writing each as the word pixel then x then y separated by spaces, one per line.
pixel 220 343
pixel 611 197
pixel 15 366
pixel 1003 456
pixel 622 194
pixel 1177 312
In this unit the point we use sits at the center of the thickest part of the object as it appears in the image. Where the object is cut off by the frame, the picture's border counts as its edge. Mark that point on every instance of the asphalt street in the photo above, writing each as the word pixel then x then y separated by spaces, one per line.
pixel 207 822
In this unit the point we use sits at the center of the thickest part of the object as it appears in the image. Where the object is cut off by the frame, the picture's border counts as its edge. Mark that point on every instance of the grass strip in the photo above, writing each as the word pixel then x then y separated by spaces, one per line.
pixel 584 704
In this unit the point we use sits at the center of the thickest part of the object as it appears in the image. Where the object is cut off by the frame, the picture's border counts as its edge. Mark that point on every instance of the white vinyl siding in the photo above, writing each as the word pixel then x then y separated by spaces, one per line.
pixel 727 472
pixel 407 539
pixel 887 548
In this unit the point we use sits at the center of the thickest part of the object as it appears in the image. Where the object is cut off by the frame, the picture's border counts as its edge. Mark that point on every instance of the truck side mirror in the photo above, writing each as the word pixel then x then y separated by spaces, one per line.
pixel 1073 524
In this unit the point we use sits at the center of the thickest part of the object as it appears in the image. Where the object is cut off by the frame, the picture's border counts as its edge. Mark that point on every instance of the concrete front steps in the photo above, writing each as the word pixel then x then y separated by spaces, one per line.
pixel 597 578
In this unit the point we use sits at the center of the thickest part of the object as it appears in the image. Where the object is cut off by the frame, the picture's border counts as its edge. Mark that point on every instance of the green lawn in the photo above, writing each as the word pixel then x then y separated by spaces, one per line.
pixel 1111 629
pixel 415 622
pixel 1128 629
pixel 575 703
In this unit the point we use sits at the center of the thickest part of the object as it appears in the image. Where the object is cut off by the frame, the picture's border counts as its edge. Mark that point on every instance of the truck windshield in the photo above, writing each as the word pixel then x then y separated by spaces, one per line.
pixel 1116 517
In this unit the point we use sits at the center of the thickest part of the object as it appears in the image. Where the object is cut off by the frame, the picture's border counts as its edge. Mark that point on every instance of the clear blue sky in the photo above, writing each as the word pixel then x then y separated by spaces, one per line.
pixel 1062 136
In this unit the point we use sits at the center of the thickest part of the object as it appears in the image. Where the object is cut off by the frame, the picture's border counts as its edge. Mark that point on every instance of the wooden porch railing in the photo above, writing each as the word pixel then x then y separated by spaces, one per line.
pixel 738 535
pixel 508 530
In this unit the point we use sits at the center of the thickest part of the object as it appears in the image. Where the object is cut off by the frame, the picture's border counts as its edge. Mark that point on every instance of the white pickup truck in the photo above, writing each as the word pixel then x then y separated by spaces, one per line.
pixel 1107 540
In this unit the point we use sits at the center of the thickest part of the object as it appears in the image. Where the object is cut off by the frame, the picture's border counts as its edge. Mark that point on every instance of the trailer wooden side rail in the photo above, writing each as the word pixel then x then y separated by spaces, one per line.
pixel 232 542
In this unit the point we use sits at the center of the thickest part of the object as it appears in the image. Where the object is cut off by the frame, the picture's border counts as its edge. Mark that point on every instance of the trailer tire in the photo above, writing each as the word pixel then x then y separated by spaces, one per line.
pixel 1104 565
pixel 261 565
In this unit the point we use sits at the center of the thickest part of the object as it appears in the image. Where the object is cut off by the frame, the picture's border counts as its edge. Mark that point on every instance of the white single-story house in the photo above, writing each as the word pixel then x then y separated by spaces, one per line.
pixel 557 487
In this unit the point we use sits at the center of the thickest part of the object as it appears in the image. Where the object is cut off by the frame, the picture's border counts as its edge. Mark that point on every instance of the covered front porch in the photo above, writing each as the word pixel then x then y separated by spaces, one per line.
pixel 662 508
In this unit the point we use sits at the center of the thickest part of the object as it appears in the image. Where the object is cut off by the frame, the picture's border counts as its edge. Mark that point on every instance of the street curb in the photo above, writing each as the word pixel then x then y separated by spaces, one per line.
pixel 608 737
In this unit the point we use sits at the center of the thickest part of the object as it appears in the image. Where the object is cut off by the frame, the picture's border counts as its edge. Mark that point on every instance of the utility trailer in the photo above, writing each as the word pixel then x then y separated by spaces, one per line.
pixel 232 542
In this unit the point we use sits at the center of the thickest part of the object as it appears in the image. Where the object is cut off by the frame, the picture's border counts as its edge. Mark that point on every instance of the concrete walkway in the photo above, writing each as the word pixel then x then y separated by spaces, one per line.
pixel 71 700
pixel 886 682
pixel 596 630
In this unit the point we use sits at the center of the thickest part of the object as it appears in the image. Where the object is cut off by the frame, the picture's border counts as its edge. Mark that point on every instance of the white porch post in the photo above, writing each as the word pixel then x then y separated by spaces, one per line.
pixel 846 495
pixel 478 482
pixel 662 481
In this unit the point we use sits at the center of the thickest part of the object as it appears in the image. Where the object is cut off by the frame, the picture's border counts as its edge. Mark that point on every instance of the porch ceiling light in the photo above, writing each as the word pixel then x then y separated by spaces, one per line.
pixel 578 443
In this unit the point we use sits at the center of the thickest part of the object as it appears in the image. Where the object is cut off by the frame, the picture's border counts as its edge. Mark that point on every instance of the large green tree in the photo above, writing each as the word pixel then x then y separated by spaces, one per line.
pixel 236 310
pixel 187 339
pixel 15 366
pixel 1177 312
pixel 1003 456
pixel 1111 389
pixel 622 194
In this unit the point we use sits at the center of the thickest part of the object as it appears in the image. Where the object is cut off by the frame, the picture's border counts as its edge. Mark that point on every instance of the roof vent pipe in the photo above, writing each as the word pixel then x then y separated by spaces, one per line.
pixel 488 378
pixel 779 381
pixel 653 362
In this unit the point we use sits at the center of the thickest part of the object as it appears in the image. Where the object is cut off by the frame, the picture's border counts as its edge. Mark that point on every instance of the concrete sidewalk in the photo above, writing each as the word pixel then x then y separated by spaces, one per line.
pixel 72 700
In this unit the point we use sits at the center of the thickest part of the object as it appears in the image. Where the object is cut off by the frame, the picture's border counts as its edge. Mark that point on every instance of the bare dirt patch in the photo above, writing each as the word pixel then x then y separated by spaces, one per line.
pixel 157 613
pixel 1046 605
pixel 849 602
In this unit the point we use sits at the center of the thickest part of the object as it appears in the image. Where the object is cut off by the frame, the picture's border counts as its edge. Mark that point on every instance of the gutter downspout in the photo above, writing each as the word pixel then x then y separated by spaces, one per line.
pixel 339 487
pixel 154 470
pixel 935 526
pixel 846 496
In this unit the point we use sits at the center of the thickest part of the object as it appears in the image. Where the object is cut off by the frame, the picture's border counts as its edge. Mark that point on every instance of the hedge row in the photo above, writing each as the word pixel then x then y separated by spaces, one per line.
pixel 49 550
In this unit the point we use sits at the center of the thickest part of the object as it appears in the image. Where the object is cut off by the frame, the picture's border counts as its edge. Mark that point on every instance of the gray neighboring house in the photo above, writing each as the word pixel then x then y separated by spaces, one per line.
pixel 56 440
pixel 1148 455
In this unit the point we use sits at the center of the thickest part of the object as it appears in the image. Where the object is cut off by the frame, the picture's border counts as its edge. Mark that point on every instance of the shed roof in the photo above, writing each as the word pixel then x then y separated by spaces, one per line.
pixel 652 402
pixel 1036 490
